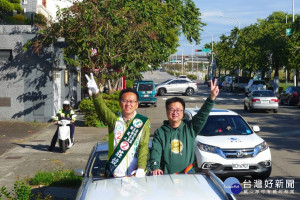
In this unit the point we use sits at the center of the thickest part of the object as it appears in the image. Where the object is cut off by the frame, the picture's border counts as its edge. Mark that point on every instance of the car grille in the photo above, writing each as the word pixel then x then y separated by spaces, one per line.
pixel 238 153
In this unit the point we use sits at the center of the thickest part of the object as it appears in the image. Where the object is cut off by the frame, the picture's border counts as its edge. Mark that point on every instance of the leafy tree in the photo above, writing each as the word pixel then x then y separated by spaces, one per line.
pixel 8 6
pixel 121 37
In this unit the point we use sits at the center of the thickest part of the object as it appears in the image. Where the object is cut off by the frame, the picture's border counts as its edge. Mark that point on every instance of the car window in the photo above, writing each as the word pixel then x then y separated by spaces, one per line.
pixel 145 87
pixel 166 81
pixel 182 81
pixel 258 82
pixel 98 164
pixel 296 89
pixel 225 125
pixel 263 93
pixel 173 82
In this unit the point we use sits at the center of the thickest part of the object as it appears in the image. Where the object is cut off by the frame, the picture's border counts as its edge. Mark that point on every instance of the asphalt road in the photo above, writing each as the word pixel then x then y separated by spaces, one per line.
pixel 27 152
pixel 281 131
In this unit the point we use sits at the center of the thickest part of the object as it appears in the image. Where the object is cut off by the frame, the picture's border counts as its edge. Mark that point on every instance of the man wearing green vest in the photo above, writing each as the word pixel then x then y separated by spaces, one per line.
pixel 129 133
pixel 173 143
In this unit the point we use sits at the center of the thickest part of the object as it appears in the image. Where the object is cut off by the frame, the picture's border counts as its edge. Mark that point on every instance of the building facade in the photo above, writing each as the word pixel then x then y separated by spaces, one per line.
pixel 33 86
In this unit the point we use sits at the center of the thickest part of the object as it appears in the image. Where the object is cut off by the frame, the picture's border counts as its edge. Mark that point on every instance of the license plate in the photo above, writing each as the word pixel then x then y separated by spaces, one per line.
pixel 264 102
pixel 240 166
pixel 146 95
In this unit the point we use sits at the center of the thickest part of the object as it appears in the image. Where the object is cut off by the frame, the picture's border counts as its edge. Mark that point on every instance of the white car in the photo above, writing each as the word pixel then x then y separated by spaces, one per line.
pixel 168 187
pixel 255 85
pixel 181 86
pixel 228 146
pixel 261 100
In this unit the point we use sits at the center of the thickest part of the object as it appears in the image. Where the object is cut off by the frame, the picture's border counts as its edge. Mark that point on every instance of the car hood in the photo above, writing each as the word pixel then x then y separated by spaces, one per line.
pixel 231 141
pixel 164 187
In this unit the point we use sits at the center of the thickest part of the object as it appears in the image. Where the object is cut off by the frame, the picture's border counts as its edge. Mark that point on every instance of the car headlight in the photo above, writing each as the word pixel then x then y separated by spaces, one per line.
pixel 207 148
pixel 261 147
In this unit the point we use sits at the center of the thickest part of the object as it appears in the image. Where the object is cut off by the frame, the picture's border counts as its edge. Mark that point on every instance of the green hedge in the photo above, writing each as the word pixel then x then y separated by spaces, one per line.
pixel 87 107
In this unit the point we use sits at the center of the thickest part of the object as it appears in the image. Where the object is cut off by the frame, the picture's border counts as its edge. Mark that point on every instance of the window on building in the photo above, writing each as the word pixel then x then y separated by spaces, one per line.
pixel 24 2
pixel 24 10
pixel 44 2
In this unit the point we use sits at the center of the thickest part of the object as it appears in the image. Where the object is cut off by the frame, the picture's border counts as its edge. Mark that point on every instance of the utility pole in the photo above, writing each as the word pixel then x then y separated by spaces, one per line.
pixel 295 71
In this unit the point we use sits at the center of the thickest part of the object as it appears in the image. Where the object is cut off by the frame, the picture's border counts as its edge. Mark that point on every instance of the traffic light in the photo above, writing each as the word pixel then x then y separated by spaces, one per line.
pixel 198 50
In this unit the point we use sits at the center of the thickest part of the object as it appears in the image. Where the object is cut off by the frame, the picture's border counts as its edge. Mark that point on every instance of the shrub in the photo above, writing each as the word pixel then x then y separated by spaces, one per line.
pixel 129 83
pixel 21 190
pixel 192 76
pixel 90 116
pixel 20 19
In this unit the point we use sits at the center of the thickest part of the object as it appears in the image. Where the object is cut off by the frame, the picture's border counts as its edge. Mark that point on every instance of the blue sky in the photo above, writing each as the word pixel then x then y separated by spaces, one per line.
pixel 234 12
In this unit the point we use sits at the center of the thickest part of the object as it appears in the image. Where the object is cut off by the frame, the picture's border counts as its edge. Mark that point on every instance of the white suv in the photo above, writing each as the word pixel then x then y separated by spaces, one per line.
pixel 182 86
pixel 228 146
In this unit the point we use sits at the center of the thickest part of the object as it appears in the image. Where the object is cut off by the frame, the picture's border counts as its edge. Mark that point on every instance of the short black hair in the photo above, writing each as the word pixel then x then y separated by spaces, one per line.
pixel 128 90
pixel 173 100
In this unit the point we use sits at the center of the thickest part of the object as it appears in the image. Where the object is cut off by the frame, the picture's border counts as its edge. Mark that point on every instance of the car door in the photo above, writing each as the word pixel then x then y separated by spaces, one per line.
pixel 182 85
pixel 284 95
pixel 172 86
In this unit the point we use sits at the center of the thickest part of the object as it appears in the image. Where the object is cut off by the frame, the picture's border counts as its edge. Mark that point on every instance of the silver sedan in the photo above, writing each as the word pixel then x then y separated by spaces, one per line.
pixel 261 100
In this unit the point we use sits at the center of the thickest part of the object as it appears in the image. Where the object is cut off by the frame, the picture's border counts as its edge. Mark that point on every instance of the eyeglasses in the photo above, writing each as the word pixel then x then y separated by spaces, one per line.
pixel 128 101
pixel 172 110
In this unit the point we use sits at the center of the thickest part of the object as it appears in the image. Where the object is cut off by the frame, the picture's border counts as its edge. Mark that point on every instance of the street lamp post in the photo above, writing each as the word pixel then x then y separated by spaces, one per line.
pixel 212 51
pixel 295 72
pixel 239 29
pixel 181 60
pixel 192 53
pixel 233 19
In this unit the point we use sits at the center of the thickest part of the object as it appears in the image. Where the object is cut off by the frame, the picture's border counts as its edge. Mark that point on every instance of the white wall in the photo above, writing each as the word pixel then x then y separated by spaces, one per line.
pixel 52 6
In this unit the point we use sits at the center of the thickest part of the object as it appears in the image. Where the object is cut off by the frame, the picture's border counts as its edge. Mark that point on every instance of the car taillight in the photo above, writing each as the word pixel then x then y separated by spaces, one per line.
pixel 196 84
pixel 295 94
pixel 275 100
pixel 255 100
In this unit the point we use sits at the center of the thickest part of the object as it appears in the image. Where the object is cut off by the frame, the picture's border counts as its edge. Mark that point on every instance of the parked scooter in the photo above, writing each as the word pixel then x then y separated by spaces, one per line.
pixel 64 136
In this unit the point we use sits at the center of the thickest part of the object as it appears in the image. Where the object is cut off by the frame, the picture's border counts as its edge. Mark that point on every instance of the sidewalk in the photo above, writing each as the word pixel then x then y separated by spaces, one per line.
pixel 31 155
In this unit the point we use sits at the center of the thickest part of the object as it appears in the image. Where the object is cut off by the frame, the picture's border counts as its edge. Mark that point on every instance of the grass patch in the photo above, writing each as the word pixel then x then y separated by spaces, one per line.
pixel 60 178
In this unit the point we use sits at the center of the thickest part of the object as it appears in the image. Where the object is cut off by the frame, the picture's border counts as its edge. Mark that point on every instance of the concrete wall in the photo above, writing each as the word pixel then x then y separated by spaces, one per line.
pixel 26 81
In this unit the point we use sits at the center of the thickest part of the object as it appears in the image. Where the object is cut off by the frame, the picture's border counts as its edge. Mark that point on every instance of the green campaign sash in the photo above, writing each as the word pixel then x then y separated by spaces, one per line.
pixel 124 145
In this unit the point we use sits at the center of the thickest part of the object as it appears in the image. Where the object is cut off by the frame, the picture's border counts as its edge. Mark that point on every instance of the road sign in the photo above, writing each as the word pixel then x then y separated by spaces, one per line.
pixel 207 50
pixel 288 32
pixel 173 60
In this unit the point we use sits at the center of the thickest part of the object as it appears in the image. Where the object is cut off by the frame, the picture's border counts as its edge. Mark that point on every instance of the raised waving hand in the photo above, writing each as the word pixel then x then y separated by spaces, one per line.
pixel 214 89
pixel 91 84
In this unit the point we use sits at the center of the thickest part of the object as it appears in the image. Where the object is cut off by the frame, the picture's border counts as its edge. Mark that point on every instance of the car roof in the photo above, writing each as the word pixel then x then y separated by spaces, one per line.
pixel 193 111
pixel 142 81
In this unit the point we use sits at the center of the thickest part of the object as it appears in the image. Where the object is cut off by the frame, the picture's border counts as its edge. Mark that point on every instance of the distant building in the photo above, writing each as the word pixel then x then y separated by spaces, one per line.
pixel 33 87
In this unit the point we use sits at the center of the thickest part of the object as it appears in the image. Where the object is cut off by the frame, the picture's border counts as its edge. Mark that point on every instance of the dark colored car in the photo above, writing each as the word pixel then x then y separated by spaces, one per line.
pixel 290 96
pixel 239 84
pixel 147 92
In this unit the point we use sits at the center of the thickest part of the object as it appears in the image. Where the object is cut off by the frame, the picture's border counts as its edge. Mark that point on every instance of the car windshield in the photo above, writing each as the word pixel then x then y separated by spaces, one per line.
pixel 145 87
pixel 225 125
pixel 166 81
pixel 263 93
pixel 97 165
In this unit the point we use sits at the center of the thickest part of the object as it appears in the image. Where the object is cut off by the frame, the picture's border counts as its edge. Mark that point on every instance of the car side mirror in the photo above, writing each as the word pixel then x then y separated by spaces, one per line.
pixel 256 129
pixel 79 172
